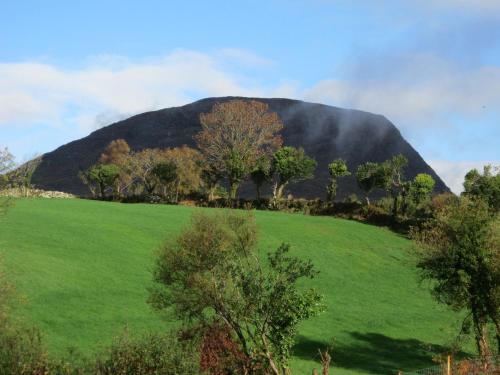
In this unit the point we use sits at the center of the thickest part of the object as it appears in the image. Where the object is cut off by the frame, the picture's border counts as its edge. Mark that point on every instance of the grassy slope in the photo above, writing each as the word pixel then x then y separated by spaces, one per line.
pixel 84 267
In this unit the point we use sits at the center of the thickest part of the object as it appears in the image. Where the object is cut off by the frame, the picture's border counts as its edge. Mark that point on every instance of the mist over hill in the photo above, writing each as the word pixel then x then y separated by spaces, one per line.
pixel 325 132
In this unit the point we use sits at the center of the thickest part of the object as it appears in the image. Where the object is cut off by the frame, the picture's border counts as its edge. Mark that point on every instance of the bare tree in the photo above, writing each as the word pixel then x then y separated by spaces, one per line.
pixel 141 165
pixel 6 160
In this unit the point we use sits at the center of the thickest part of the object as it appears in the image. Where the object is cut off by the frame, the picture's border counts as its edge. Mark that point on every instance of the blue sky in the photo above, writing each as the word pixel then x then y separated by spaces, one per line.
pixel 430 66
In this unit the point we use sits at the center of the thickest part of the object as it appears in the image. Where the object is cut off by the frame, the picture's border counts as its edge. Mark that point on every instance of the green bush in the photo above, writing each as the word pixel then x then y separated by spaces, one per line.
pixel 352 198
pixel 151 354
pixel 22 352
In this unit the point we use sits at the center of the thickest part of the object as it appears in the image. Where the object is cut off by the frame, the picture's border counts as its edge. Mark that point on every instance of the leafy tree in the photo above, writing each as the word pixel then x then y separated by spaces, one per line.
pixel 101 177
pixel 291 165
pixel 485 186
pixel 261 173
pixel 210 177
pixel 189 166
pixel 369 177
pixel 337 168
pixel 118 153
pixel 235 134
pixel 212 272
pixel 460 253
pixel 388 176
pixel 421 187
pixel 166 173
pixel 392 179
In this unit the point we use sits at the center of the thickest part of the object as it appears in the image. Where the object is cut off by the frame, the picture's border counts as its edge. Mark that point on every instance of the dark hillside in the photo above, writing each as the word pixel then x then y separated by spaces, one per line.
pixel 325 133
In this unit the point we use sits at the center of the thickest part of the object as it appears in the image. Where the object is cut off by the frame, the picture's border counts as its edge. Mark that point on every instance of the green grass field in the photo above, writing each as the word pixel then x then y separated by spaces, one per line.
pixel 84 267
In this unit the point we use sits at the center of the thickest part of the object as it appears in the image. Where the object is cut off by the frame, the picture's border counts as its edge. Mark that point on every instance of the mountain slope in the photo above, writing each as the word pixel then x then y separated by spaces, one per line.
pixel 324 132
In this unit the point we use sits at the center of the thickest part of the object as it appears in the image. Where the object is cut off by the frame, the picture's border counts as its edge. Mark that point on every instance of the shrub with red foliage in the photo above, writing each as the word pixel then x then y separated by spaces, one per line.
pixel 220 354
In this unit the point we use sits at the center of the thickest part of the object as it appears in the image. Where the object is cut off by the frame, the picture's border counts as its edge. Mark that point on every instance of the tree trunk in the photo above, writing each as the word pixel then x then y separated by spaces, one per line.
pixel 257 187
pixel 483 342
pixel 394 205
pixel 325 362
pixel 481 336
pixel 278 191
pixel 404 200
pixel 497 332
pixel 233 190
pixel 177 188
pixel 211 193
pixel 269 357
pixel 331 191
pixel 102 189
pixel 118 191
pixel 275 190
pixel 149 187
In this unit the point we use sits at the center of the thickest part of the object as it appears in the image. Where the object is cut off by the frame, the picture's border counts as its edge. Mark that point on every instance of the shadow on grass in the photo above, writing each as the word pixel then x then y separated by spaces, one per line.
pixel 374 353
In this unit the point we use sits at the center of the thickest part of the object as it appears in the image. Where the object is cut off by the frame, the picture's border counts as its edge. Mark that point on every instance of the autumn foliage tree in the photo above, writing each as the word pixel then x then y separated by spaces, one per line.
pixel 115 153
pixel 235 134
pixel 188 162
pixel 118 153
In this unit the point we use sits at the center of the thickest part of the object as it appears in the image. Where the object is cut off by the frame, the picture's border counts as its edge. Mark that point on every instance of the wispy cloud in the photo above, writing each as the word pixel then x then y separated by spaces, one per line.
pixel 244 57
pixel 413 90
pixel 479 5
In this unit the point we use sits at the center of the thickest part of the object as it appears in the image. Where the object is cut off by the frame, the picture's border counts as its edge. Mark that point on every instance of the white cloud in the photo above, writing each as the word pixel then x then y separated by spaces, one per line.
pixel 413 91
pixel 18 106
pixel 44 93
pixel 453 173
